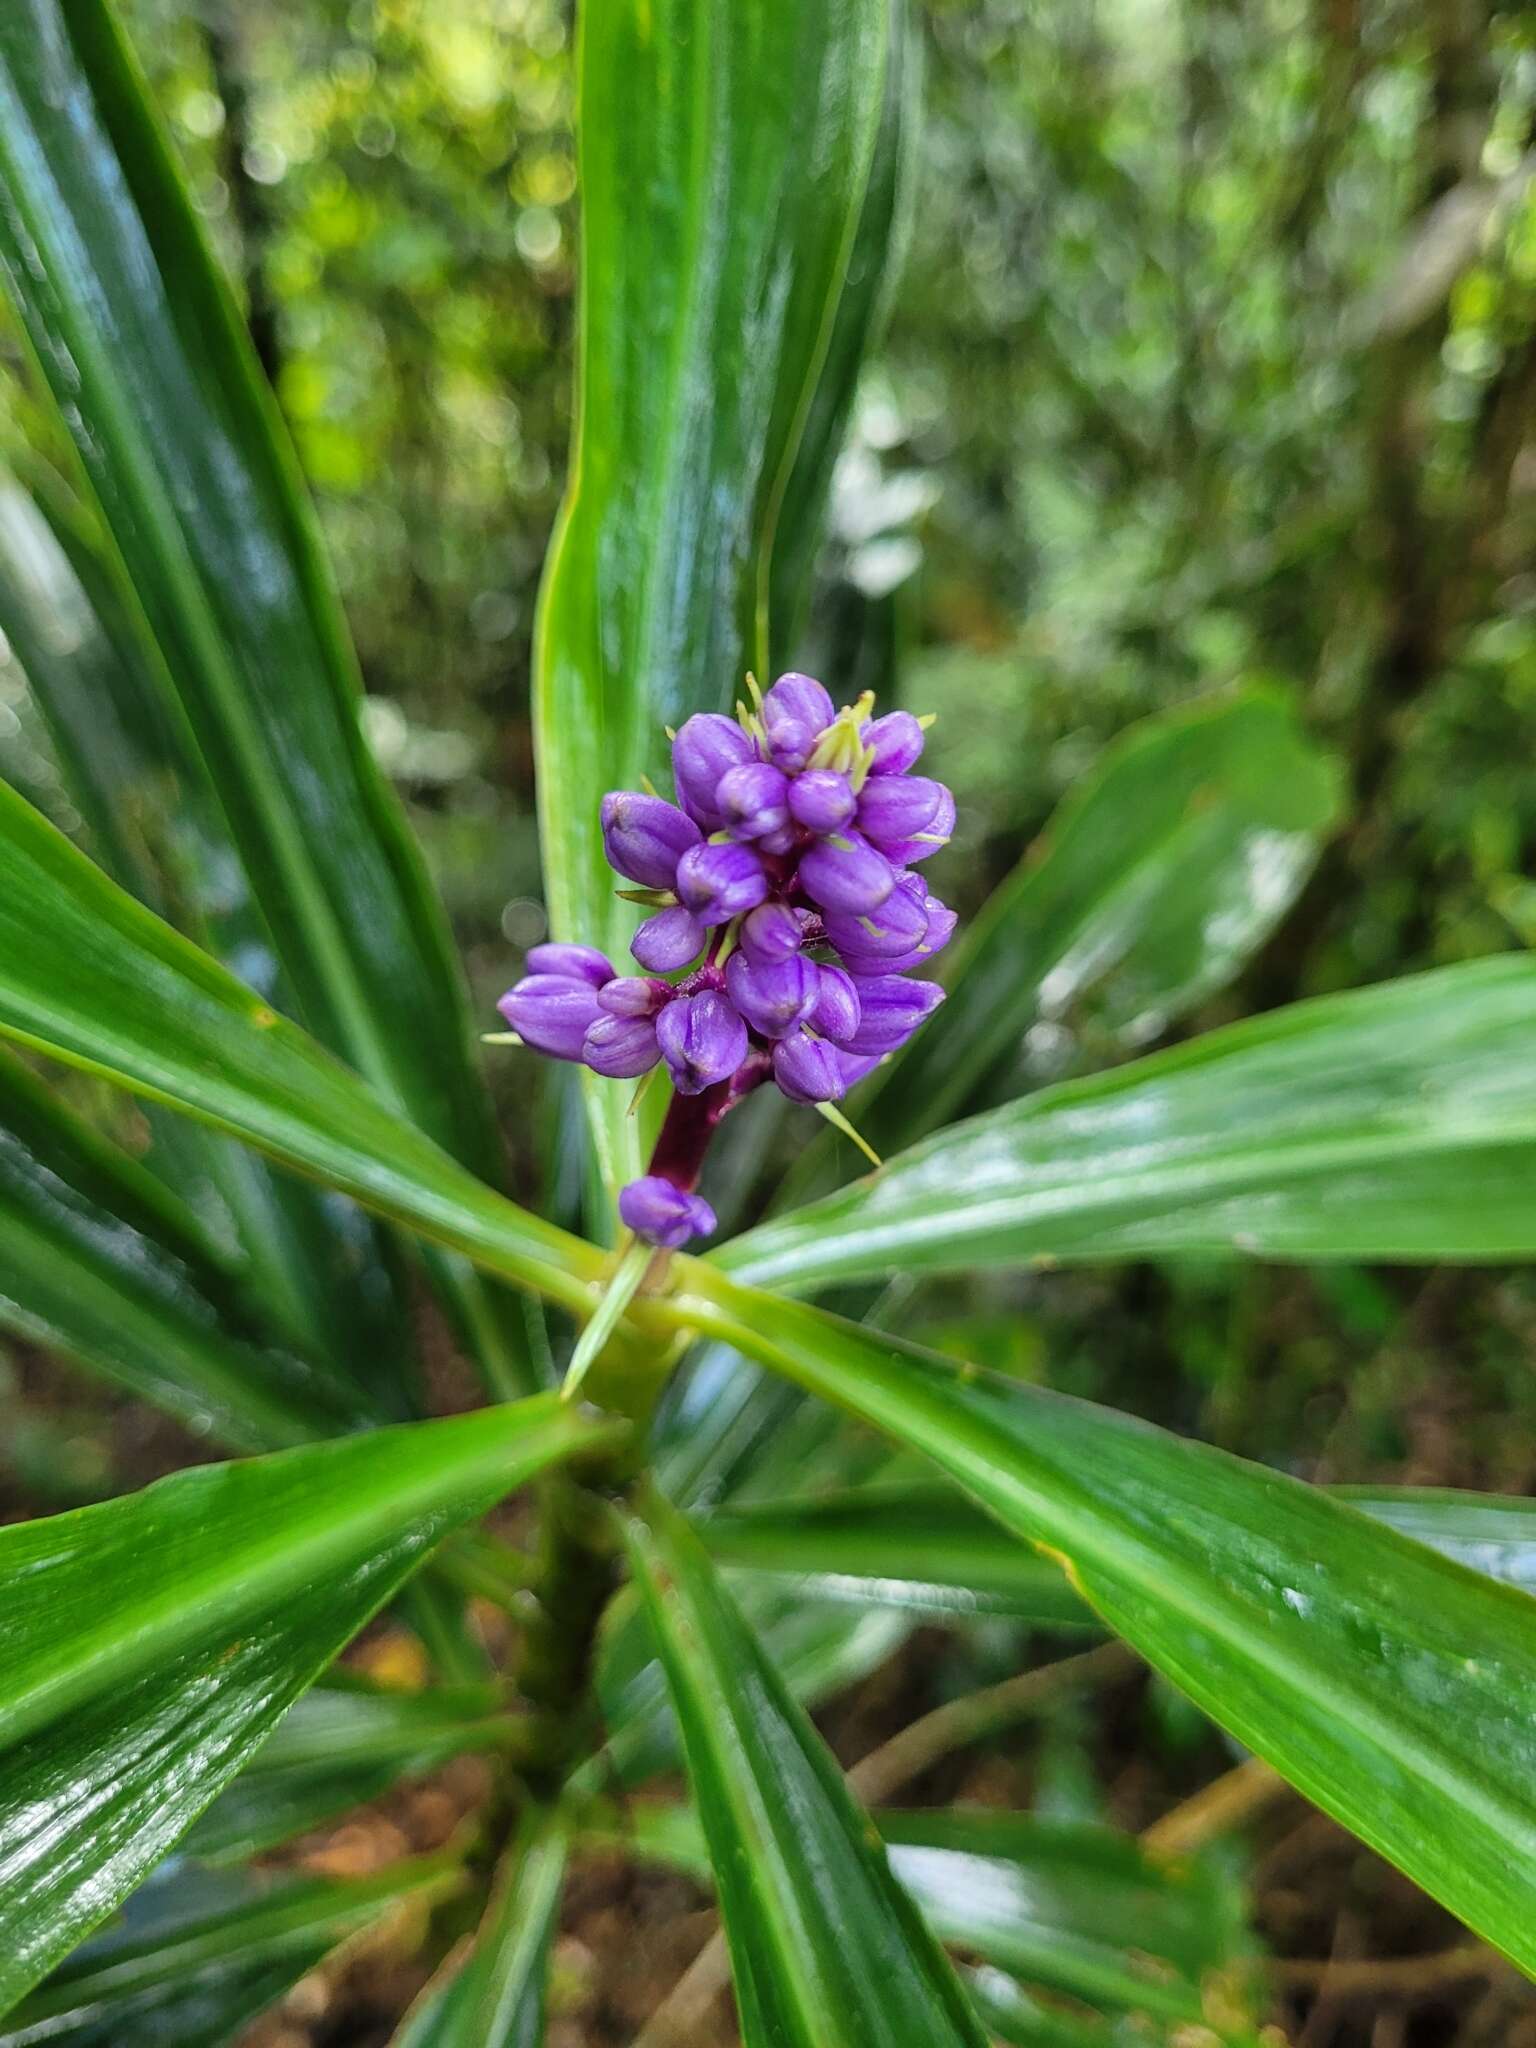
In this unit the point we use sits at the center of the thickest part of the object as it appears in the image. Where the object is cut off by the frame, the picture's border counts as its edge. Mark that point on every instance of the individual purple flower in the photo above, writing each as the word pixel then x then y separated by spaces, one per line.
pixel 897 807
pixel 703 1040
pixel 754 800
pixel 774 998
pixel 623 1048
pixel 663 1214
pixel 771 933
pixel 896 740
pixel 578 963
pixel 837 1009
pixel 794 714
pixel 844 872
pixel 706 749
pixel 673 938
pixel 634 995
pixel 898 925
pixel 808 1069
pixel 890 1010
pixel 934 834
pixel 644 837
pixel 551 1012
pixel 718 883
pixel 822 800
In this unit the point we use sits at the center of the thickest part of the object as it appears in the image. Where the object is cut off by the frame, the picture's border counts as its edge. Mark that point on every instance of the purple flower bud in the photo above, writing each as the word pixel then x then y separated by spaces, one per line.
pixel 781 841
pixel 551 1012
pixel 669 940
pixel 578 963
pixel 836 1014
pixel 894 807
pixel 941 929
pixel 621 1047
pixel 702 1039
pixel 753 800
pixel 718 883
pixel 898 926
pixel 808 1069
pixel 897 740
pixel 662 1214
pixel 890 1011
pixel 821 800
pixel 633 995
pixel 703 752
pixel 934 834
pixel 795 711
pixel 643 837
pixel 776 998
pixel 844 872
pixel 772 933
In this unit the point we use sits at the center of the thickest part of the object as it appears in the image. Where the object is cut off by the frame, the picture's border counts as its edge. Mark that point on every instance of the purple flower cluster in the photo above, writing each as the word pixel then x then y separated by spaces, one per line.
pixel 784 905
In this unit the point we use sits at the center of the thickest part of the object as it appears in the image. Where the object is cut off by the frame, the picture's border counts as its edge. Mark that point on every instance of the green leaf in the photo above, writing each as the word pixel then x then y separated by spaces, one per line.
pixel 92 977
pixel 874 264
pixel 152 1643
pixel 316 1263
pixel 825 1946
pixel 1488 1532
pixel 495 1996
pixel 1077 1909
pixel 1155 881
pixel 100 1262
pixel 1384 1680
pixel 195 1956
pixel 342 1744
pixel 918 1549
pixel 1393 1123
pixel 136 333
pixel 712 261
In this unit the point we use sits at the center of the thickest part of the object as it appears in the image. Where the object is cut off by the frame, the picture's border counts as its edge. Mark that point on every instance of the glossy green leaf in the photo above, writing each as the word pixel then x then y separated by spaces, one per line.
pixel 136 333
pixel 1488 1532
pixel 920 1549
pixel 1390 1684
pixel 494 1997
pixel 149 1645
pixel 98 1261
pixel 712 262
pixel 1397 1122
pixel 873 270
pixel 825 1946
pixel 342 1744
pixel 317 1264
pixel 1076 1909
pixel 1156 880
pixel 195 1956
pixel 91 976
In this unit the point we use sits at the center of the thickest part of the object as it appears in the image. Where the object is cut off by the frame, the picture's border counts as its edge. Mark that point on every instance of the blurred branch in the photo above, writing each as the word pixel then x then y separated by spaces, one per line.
pixel 250 204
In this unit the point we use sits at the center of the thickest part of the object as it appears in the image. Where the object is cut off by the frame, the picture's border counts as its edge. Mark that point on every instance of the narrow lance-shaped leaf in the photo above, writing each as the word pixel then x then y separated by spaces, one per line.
pixel 136 333
pixel 91 976
pixel 494 1997
pixel 724 155
pixel 198 1954
pixel 1390 1684
pixel 149 817
pixel 1393 1123
pixel 825 1946
pixel 147 1646
pixel 1156 880
pixel 98 1261
pixel 1488 1532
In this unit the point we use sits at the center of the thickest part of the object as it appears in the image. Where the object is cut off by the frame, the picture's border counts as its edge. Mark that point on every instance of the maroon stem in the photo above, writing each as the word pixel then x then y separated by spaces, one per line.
pixel 691 1121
